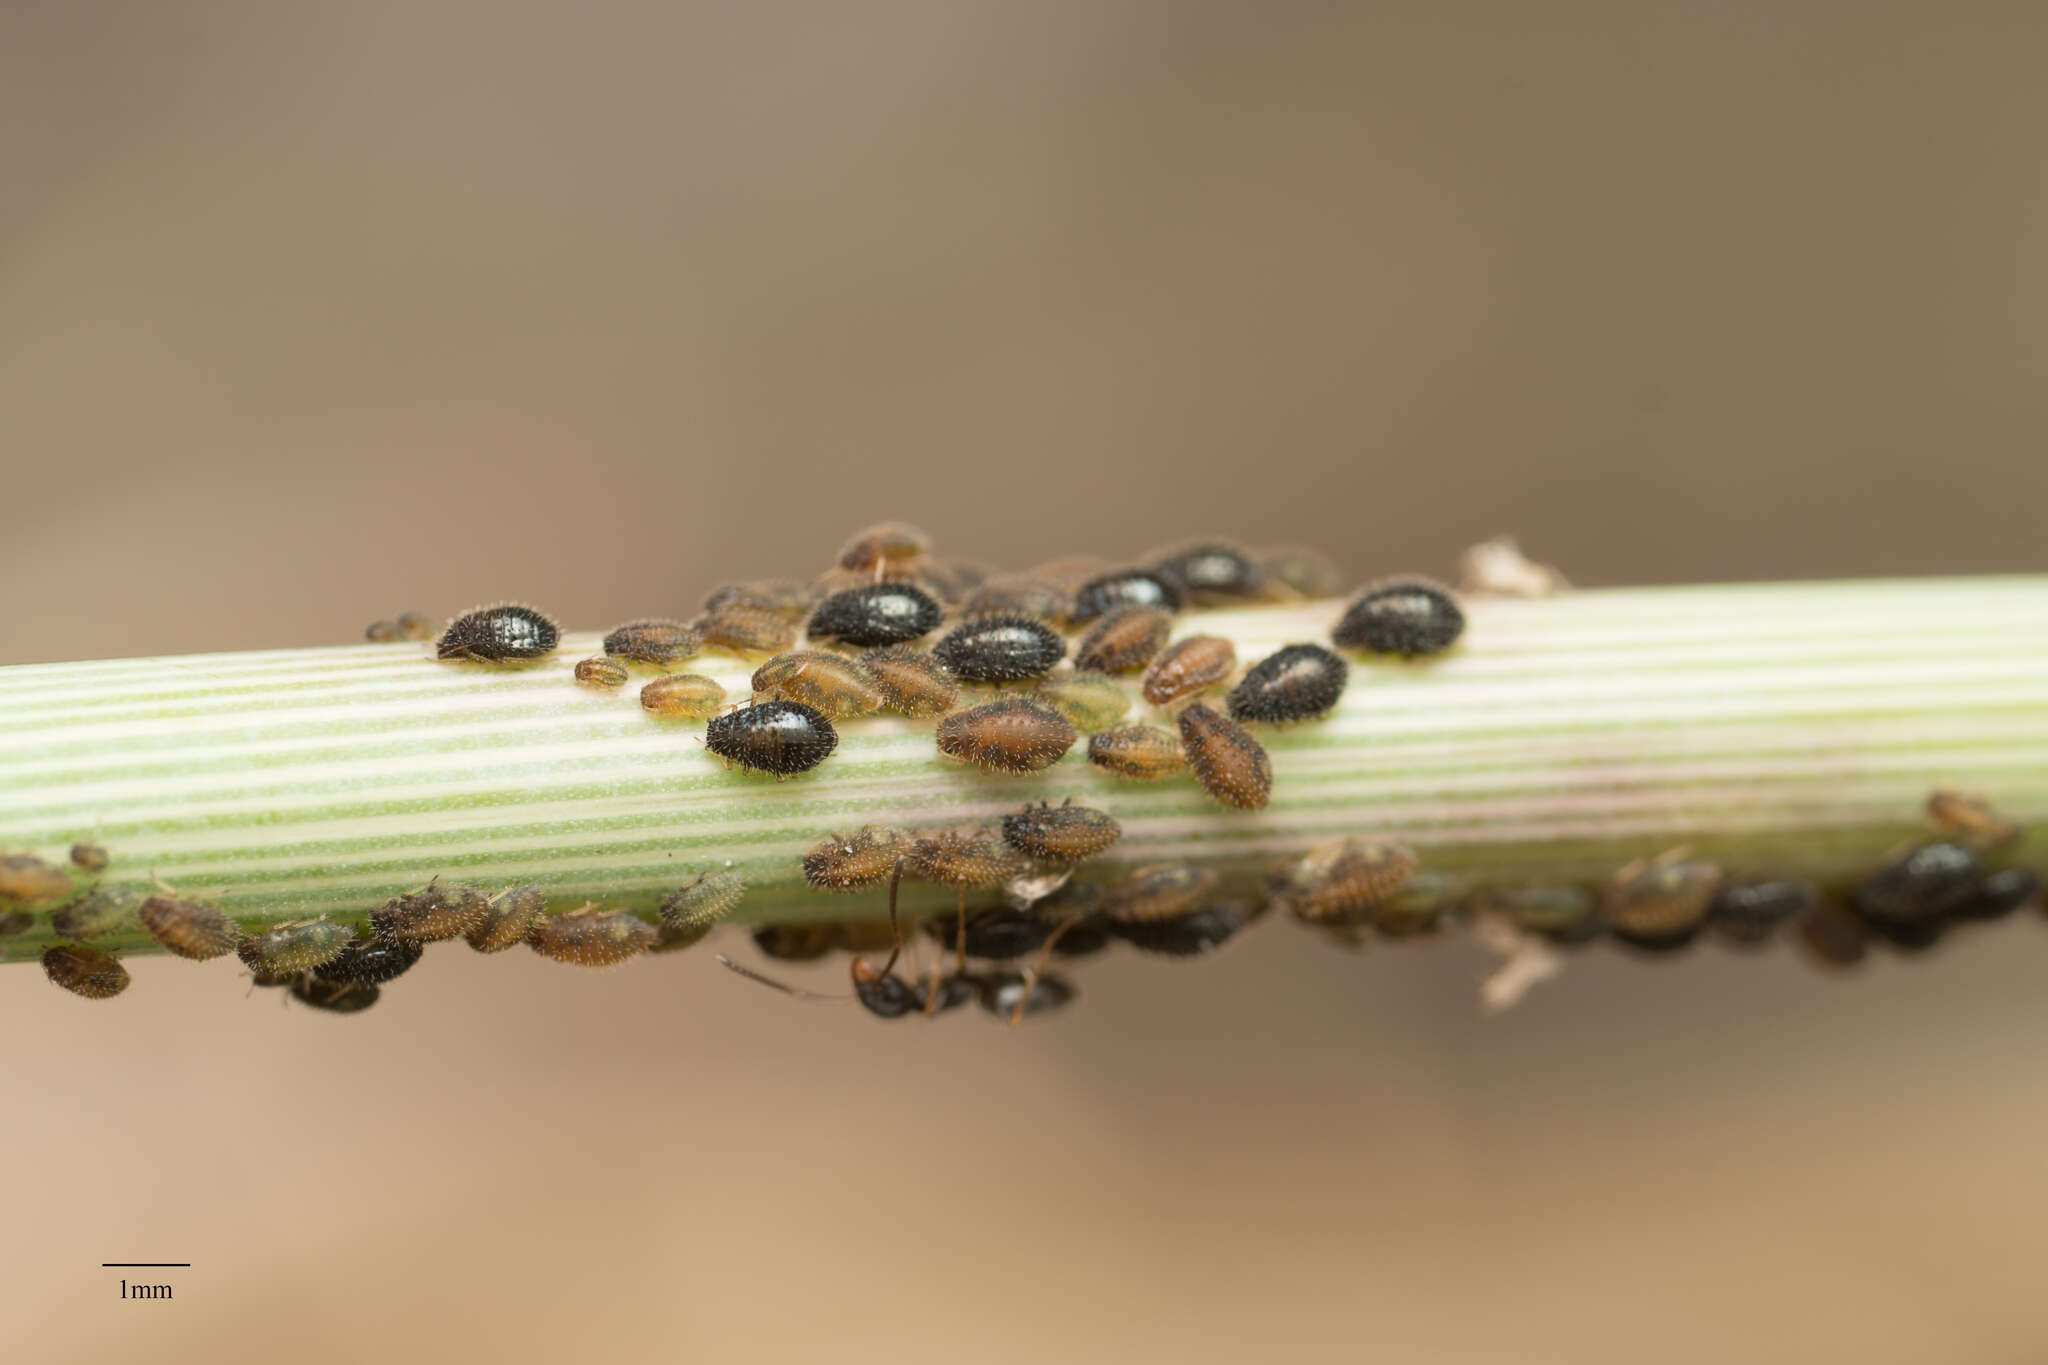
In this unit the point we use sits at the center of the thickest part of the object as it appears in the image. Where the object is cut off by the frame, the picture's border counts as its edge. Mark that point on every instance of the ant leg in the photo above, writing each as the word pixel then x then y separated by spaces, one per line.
pixel 1031 975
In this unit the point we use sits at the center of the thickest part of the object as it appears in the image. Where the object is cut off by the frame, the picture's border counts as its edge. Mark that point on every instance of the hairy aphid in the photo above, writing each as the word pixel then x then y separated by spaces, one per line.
pixel 371 961
pixel 1123 640
pixel 187 928
pixel 830 683
pixel 891 542
pixel 796 942
pixel 1834 935
pixel 780 737
pixel 508 918
pixel 1123 588
pixel 1188 668
pixel 413 625
pixel 777 596
pixel 1343 881
pixel 911 681
pixel 1143 753
pixel 27 880
pixel 1010 995
pixel 1065 833
pixel 1999 894
pixel 599 671
pixel 970 859
pixel 876 614
pixel 853 862
pixel 1562 914
pixel 1089 701
pixel 85 971
pixel 1410 617
pixel 1300 571
pixel 431 913
pixel 1231 766
pixel 1299 682
pixel 682 696
pixel 294 946
pixel 1752 912
pixel 1016 596
pixel 591 937
pixel 1921 883
pixel 704 901
pixel 1970 820
pixel 1662 898
pixel 1200 931
pixel 1160 891
pixel 994 935
pixel 104 912
pixel 335 997
pixel 14 922
pixel 89 858
pixel 659 642
pixel 499 634
pixel 745 630
pixel 999 649
pixel 1009 735
pixel 1213 574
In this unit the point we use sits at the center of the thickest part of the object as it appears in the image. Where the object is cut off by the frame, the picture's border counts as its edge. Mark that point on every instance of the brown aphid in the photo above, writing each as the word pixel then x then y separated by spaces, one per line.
pixel 1343 881
pixel 432 913
pixel 27 880
pixel 1065 833
pixel 599 671
pixel 1089 701
pixel 777 596
pixel 414 625
pixel 295 946
pixel 14 922
pixel 89 858
pixel 1032 597
pixel 863 859
pixel 1069 573
pixel 1661 897
pixel 658 642
pixel 383 633
pixel 1009 735
pixel 187 928
pixel 683 696
pixel 830 683
pixel 890 543
pixel 1160 891
pixel 1970 820
pixel 911 681
pixel 1188 668
pixel 1229 763
pixel 106 911
pixel 745 630
pixel 591 937
pixel 508 918
pixel 1124 640
pixel 1143 753
pixel 968 859
pixel 702 903
pixel 1833 935
pixel 85 971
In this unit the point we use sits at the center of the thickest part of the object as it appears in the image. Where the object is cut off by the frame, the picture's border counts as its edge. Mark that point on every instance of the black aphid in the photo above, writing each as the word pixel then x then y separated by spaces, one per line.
pixel 1299 682
pixel 1212 573
pixel 1000 649
pixel 1927 881
pixel 1405 616
pixel 1204 931
pixel 779 737
pixel 1999 894
pixel 336 997
pixel 497 634
pixel 372 961
pixel 1125 588
pixel 1751 912
pixel 878 614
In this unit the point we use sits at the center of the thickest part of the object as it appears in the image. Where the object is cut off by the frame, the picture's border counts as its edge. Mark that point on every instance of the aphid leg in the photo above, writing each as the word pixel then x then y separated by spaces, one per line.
pixel 1038 966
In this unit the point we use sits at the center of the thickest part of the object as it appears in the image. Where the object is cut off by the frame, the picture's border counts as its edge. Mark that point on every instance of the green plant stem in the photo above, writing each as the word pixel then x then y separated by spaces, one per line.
pixel 1783 729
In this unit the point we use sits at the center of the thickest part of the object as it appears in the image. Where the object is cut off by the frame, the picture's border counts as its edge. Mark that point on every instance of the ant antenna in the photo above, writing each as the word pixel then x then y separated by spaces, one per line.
pixel 862 973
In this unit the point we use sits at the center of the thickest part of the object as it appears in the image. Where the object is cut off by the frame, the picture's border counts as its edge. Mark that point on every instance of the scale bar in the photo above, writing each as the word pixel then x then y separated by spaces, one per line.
pixel 144 1265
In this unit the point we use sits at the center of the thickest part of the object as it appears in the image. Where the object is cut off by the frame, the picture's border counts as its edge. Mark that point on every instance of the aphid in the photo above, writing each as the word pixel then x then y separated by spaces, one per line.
pixel 1188 667
pixel 1123 640
pixel 187 928
pixel 795 942
pixel 704 902
pixel 383 633
pixel 1231 765
pixel 996 935
pixel 877 614
pixel 499 634
pixel 1656 944
pixel 999 649
pixel 652 642
pixel 1417 908
pixel 1498 568
pixel 1212 574
pixel 15 922
pixel 1300 570
pixel 85 971
pixel 911 681
pixel 106 911
pixel 1751 912
pixel 369 961
pixel 830 683
pixel 600 672
pixel 1341 881
pixel 891 542
pixel 591 937
pixel 294 946
pixel 1014 994
pixel 1144 753
pixel 1123 588
pixel 849 864
pixel 1159 891
pixel 1069 572
pixel 89 858
pixel 1909 935
pixel 1010 735
pixel 1662 897
pixel 1299 682
pixel 415 626
pixel 507 919
pixel 432 913
pixel 776 596
pixel 336 997
pixel 27 879
pixel 780 737
pixel 1199 931
pixel 2000 894
pixel 1405 616
pixel 1089 701
pixel 1970 820
pixel 970 859
pixel 682 696
pixel 745 630
pixel 1032 597
pixel 1930 880
pixel 1562 914
pixel 1060 834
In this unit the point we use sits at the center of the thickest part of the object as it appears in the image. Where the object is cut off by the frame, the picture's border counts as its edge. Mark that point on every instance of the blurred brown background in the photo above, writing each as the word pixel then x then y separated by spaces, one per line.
pixel 313 313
